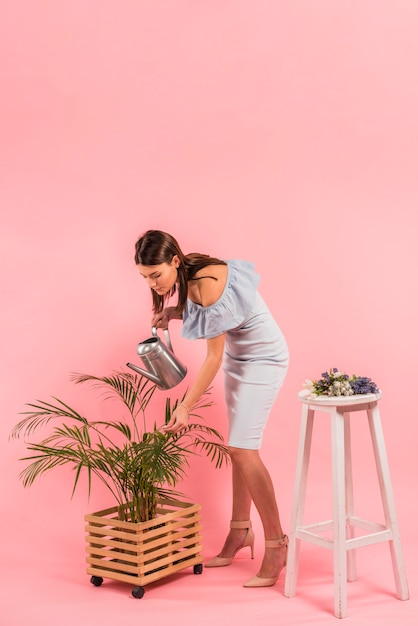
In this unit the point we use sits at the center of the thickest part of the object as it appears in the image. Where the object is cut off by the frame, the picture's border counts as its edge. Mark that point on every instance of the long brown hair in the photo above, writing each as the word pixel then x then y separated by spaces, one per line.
pixel 155 247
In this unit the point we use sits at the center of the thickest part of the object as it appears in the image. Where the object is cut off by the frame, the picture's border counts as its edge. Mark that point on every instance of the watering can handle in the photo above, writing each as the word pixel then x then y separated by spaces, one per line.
pixel 166 335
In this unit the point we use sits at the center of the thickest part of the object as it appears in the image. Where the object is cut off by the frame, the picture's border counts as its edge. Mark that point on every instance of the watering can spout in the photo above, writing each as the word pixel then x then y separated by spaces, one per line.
pixel 143 372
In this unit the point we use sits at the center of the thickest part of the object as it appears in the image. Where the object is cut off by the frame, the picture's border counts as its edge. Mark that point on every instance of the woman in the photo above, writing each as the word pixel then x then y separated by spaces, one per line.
pixel 218 301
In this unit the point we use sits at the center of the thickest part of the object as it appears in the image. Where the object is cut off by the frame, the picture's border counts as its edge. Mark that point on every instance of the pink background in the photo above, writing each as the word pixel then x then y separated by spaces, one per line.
pixel 280 132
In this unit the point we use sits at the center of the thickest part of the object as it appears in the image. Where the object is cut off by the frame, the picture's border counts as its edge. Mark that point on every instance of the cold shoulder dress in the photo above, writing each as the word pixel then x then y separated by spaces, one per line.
pixel 256 356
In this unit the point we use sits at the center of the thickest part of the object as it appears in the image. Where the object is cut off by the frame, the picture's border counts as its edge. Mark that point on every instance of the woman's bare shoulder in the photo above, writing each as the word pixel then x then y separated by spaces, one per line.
pixel 209 284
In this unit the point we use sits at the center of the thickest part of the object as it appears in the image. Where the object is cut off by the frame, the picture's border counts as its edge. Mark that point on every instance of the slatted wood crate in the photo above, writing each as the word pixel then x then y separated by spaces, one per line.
pixel 141 553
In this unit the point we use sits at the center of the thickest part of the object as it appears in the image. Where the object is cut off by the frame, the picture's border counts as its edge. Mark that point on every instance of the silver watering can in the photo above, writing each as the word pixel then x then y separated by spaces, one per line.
pixel 163 368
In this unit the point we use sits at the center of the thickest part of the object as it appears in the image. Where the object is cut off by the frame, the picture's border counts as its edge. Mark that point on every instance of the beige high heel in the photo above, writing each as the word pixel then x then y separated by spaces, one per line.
pixel 281 544
pixel 222 561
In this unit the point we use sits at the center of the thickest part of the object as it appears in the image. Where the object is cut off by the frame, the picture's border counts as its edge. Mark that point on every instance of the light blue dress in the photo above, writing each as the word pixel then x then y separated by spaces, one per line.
pixel 256 356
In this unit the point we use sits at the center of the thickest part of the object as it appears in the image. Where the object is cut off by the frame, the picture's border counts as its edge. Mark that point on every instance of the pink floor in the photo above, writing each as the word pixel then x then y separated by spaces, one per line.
pixel 56 591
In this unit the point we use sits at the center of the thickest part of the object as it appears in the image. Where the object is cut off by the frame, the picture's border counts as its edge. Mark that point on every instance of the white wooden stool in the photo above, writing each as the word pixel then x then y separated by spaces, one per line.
pixel 343 522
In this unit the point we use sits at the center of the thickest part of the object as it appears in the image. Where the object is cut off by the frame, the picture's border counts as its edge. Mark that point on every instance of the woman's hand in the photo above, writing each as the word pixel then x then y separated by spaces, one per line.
pixel 161 319
pixel 178 421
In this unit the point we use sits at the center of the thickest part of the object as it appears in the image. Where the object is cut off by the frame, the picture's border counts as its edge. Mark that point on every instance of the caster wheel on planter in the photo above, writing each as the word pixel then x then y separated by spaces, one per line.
pixel 138 592
pixel 96 580
pixel 198 569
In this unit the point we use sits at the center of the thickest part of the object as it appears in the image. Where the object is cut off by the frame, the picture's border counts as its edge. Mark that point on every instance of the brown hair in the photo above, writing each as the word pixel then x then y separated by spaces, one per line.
pixel 155 247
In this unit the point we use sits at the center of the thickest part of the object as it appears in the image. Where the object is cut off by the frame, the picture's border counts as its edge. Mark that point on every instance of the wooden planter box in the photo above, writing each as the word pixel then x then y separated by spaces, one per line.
pixel 145 552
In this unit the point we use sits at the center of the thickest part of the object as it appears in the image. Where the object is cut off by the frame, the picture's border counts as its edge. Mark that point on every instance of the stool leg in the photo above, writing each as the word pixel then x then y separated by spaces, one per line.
pixel 382 465
pixel 339 514
pixel 349 498
pixel 305 440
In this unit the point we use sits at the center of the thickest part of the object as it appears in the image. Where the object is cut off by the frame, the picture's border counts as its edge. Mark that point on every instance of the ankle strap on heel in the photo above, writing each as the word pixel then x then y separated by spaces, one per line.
pixel 244 525
pixel 277 543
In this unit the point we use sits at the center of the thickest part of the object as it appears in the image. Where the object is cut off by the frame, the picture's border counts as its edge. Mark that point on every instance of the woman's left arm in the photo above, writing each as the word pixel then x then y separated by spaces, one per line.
pixel 206 374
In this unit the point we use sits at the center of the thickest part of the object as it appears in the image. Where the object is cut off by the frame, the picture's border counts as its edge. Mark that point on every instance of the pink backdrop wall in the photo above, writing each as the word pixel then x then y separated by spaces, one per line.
pixel 281 132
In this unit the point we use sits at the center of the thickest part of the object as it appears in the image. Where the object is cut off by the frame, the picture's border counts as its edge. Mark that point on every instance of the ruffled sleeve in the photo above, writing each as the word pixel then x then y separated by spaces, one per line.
pixel 232 308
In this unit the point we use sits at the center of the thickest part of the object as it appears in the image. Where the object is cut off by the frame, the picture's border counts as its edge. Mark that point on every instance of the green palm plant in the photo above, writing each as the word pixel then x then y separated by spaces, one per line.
pixel 138 465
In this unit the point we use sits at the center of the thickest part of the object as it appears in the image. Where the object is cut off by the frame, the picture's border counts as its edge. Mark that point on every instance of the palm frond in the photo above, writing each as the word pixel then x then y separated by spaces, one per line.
pixel 121 427
pixel 132 389
pixel 44 412
pixel 198 438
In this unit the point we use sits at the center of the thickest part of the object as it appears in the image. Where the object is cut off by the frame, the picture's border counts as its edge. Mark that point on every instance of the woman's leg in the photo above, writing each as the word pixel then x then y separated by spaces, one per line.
pixel 252 481
pixel 241 507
